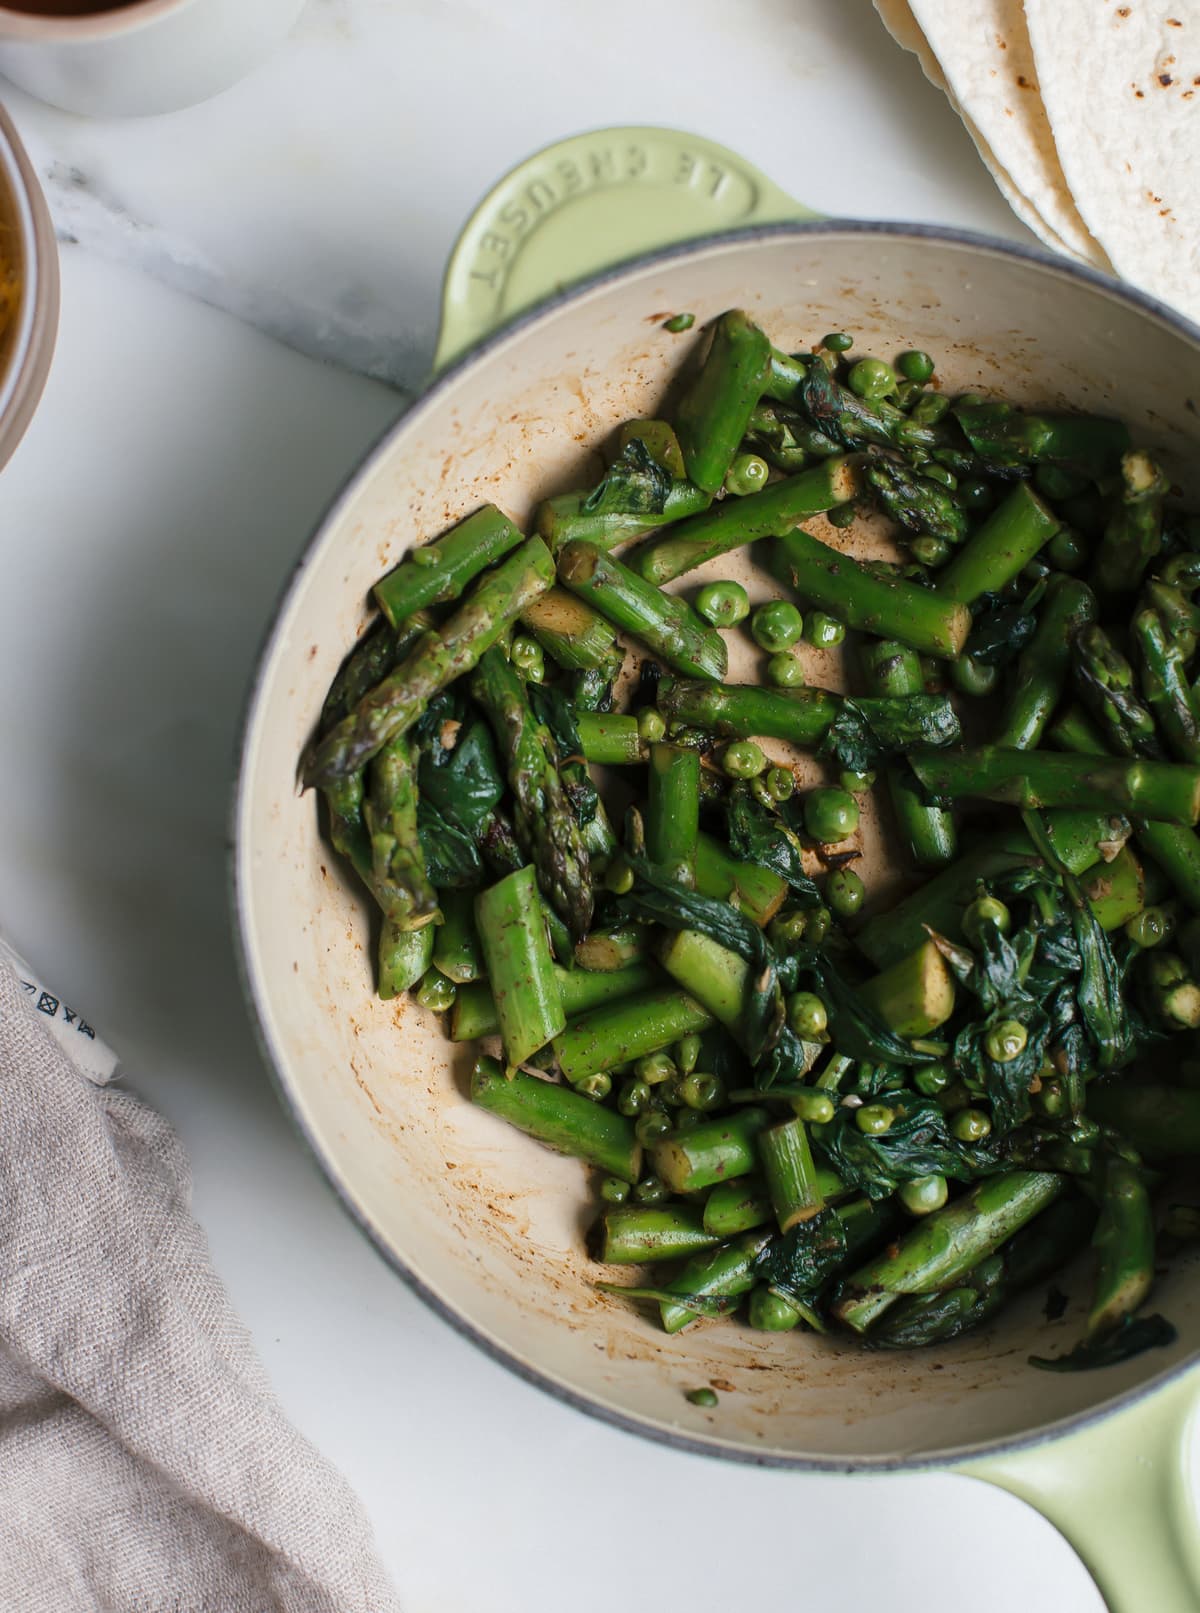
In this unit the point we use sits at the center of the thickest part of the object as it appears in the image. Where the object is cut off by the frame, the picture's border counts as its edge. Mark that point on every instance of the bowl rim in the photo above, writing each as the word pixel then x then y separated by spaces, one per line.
pixel 17 177
pixel 237 876
pixel 67 30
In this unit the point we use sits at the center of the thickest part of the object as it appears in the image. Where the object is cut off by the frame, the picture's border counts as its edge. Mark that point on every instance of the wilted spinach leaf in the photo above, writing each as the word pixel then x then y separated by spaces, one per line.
pixel 758 837
pixel 634 484
pixel 1136 1333
pixel 1000 631
pixel 551 707
pixel 868 730
pixel 458 773
pixel 800 1261
pixel 1006 1083
pixel 451 857
pixel 918 1143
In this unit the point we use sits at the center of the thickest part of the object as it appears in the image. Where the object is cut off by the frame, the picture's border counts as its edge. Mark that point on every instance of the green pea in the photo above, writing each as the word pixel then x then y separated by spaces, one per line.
pixel 975 495
pixel 940 473
pixel 830 815
pixel 701 1397
pixel 814 1108
pixel 915 365
pixel 970 1125
pixel 855 782
pixel 841 516
pixel 785 671
pixel 652 725
pixel 1051 1099
pixel 679 322
pixel 786 930
pixel 747 474
pixel 613 1190
pixel 807 1015
pixel 817 927
pixel 1005 1041
pixel 743 759
pixel 724 604
pixel 824 632
pixel 907 393
pixel 618 877
pixel 525 653
pixel 1151 927
pixel 931 552
pixel 651 1191
pixel 686 1119
pixel 973 677
pixel 597 1086
pixel 923 1194
pixel 436 992
pixel 654 1069
pixel 633 1097
pixel 702 1091
pixel 1067 550
pixel 968 400
pixel 781 783
pixel 687 1054
pixel 874 1119
pixel 1084 1131
pixel 930 1079
pixel 771 1312
pixel 776 626
pixel 650 1125
pixel 871 378
pixel 985 913
pixel 837 342
pixel 844 891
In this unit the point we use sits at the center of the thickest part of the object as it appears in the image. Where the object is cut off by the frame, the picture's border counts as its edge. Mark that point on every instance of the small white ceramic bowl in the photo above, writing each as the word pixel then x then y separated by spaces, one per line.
pixel 27 238
pixel 148 57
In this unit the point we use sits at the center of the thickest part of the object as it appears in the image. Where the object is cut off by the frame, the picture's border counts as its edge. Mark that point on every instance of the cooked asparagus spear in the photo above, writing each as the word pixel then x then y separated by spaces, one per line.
pixel 715 411
pixel 395 704
pixel 1105 681
pixel 1043 666
pixel 1012 534
pixel 563 1120
pixel 735 522
pixel 1006 439
pixel 1132 538
pixel 512 932
pixel 439 571
pixel 390 816
pixel 475 1013
pixel 545 824
pixel 946 1245
pixel 916 502
pixel 871 601
pixel 666 625
pixel 673 811
pixel 1162 790
pixel 928 832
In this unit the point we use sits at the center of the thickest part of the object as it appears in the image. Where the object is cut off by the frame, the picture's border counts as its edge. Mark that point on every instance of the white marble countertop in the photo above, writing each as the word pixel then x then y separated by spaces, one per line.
pixel 176 465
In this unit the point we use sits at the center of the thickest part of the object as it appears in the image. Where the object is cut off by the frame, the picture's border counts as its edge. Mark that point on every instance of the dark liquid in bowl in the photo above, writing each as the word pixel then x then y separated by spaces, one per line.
pixel 67 8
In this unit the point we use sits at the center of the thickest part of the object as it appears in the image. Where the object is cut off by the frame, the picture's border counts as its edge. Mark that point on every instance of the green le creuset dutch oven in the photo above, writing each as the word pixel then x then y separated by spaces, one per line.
pixel 540 356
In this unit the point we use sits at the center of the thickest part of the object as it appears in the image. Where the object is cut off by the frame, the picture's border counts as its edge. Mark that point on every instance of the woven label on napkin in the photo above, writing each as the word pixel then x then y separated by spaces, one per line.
pixel 78 1038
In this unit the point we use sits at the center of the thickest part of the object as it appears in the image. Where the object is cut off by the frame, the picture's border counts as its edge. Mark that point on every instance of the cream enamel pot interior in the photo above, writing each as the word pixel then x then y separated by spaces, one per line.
pixel 484 1223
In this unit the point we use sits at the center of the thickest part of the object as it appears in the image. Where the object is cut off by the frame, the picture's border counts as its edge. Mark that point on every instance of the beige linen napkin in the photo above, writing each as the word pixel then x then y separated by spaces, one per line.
pixel 145 1465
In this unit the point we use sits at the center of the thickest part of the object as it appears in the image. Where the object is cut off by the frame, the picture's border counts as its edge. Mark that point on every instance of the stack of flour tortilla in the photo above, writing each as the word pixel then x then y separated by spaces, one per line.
pixel 1087 112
